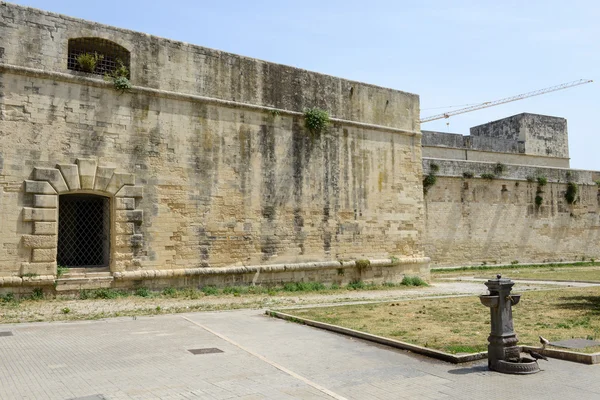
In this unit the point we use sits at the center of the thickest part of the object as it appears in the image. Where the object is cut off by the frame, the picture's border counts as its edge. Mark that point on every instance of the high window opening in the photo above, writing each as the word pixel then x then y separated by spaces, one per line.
pixel 108 56
pixel 83 231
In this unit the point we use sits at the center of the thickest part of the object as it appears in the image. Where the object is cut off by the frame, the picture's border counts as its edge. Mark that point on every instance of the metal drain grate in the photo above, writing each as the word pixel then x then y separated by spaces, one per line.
pixel 210 350
pixel 6 333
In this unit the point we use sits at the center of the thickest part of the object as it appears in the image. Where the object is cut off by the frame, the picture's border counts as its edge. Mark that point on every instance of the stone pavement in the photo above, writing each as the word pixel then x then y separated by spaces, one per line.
pixel 262 358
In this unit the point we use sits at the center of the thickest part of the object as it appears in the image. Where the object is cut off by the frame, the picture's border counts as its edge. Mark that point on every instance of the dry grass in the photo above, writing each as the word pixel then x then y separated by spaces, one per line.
pixel 461 325
pixel 590 273
pixel 107 303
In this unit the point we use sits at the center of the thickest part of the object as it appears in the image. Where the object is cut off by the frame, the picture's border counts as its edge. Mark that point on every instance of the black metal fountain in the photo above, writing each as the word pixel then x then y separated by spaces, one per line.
pixel 503 353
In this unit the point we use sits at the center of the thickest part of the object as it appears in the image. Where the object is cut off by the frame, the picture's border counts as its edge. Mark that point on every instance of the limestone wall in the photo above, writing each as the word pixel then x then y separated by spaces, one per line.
pixel 38 39
pixel 199 173
pixel 471 221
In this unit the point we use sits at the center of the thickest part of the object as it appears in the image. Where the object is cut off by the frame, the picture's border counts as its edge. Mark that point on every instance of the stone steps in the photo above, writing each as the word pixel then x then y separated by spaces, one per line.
pixel 75 281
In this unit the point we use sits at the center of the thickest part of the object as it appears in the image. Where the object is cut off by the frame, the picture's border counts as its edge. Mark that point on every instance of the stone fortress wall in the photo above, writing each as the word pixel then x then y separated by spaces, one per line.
pixel 472 220
pixel 211 177
pixel 210 173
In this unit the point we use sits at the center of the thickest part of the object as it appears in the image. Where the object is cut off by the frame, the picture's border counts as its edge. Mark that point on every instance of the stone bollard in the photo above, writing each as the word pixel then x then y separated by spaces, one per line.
pixel 503 353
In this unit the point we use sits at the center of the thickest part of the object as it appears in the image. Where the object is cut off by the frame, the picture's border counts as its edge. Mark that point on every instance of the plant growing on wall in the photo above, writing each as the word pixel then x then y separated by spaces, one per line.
pixel 571 193
pixel 431 178
pixel 316 120
pixel 542 180
pixel 87 61
pixel 120 77
pixel 488 176
pixel 499 169
pixel 468 174
pixel 530 178
pixel 538 197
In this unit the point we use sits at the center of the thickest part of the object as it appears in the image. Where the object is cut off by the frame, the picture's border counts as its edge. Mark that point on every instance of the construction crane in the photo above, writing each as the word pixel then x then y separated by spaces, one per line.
pixel 506 100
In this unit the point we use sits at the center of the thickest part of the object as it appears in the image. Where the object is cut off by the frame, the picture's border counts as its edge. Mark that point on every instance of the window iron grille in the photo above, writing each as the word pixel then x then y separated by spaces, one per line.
pixel 111 55
pixel 83 231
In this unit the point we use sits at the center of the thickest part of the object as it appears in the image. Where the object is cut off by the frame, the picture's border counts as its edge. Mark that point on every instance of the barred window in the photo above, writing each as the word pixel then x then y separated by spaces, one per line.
pixel 97 56
pixel 83 230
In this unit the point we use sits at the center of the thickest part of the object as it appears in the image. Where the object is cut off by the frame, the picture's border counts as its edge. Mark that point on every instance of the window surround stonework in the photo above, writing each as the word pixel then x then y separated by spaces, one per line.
pixel 85 176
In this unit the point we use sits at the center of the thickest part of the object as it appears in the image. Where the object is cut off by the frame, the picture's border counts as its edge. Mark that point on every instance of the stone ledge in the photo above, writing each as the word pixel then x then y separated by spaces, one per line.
pixel 171 273
pixel 41 280
pixel 449 168
pixel 582 358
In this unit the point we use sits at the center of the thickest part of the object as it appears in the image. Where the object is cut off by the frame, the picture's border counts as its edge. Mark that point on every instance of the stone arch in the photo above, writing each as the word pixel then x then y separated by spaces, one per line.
pixel 85 176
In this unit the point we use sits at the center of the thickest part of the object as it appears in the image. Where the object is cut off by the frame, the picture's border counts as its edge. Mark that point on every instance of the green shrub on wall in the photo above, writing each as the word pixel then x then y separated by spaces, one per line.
pixel 499 169
pixel 571 193
pixel 431 178
pixel 316 120
pixel 120 77
pixel 538 200
pixel 542 180
pixel 488 176
pixel 88 61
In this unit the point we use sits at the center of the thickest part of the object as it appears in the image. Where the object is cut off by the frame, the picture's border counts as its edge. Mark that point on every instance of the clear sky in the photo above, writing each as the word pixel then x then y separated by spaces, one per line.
pixel 449 52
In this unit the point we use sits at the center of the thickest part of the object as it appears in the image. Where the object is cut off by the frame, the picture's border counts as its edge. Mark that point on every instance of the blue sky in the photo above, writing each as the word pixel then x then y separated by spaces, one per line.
pixel 448 52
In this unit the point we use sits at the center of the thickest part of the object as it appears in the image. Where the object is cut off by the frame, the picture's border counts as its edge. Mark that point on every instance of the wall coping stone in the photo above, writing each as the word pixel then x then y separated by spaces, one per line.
pixel 513 171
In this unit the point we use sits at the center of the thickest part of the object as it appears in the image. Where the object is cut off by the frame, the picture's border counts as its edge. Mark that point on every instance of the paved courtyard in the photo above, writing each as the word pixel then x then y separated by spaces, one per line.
pixel 262 358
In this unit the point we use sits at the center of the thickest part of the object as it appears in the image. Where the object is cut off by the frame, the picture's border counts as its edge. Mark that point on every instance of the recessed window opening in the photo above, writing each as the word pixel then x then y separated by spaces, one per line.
pixel 83 231
pixel 108 55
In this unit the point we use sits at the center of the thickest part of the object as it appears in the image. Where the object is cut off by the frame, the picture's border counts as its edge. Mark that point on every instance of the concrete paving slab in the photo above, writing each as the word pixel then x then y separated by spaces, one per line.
pixel 263 358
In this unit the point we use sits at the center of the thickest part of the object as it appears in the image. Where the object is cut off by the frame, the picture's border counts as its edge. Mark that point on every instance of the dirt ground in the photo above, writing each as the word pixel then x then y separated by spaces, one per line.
pixel 62 309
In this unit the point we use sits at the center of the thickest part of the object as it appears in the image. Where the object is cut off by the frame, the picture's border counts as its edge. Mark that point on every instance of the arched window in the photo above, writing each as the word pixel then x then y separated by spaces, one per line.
pixel 98 56
pixel 83 230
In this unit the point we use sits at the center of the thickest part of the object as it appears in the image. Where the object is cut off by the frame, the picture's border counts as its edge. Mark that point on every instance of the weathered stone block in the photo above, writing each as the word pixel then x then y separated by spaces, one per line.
pixel 118 181
pixel 43 255
pixel 45 228
pixel 39 214
pixel 41 268
pixel 40 187
pixel 103 177
pixel 87 172
pixel 137 240
pixel 53 176
pixel 40 241
pixel 124 228
pixel 124 203
pixel 45 201
pixel 130 215
pixel 130 191
pixel 123 240
pixel 70 173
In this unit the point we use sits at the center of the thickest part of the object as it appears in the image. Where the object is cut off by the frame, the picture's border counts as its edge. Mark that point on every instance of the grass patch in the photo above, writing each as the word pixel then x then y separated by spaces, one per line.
pixel 413 281
pixel 461 324
pixel 558 272
pixel 521 266
pixel 102 293
pixel 143 292
pixel 210 290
